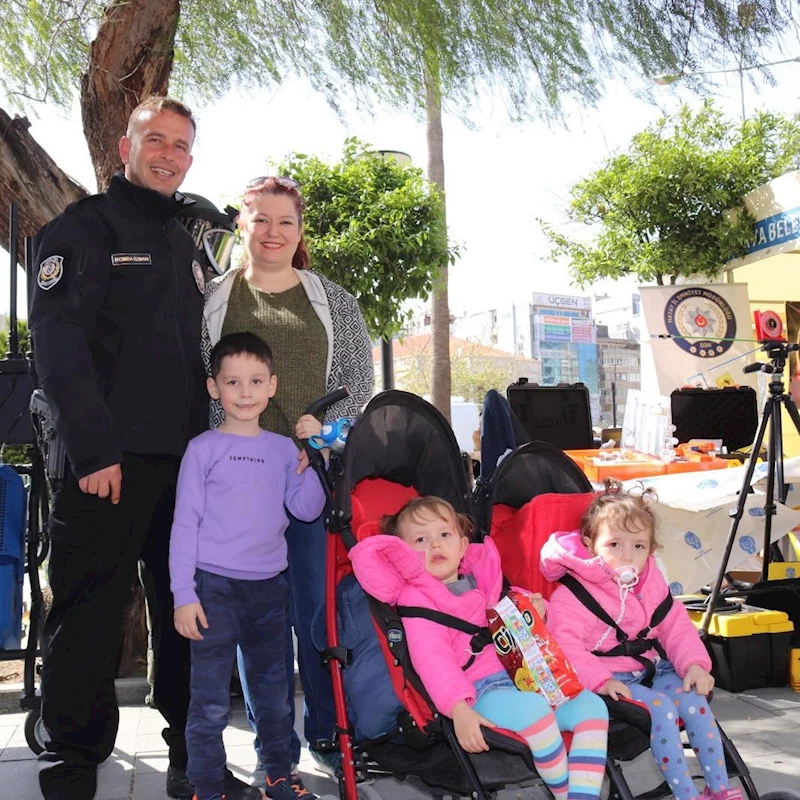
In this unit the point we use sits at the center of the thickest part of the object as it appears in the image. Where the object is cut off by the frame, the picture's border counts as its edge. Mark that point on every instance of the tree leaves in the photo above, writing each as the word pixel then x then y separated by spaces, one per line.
pixel 662 208
pixel 533 53
pixel 374 227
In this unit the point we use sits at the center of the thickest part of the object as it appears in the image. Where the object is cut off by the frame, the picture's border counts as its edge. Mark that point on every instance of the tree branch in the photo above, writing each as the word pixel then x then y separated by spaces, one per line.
pixel 25 169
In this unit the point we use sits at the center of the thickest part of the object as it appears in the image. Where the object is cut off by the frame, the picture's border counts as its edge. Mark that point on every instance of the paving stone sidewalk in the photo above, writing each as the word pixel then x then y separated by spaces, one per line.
pixel 765 724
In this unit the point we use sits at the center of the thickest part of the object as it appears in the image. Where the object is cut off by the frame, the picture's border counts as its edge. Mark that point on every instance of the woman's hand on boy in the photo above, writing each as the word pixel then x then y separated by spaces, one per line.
pixel 615 689
pixel 186 619
pixel 467 722
pixel 700 679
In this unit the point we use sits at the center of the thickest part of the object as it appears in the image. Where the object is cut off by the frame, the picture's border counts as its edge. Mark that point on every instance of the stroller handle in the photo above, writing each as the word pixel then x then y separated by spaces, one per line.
pixel 315 458
pixel 316 407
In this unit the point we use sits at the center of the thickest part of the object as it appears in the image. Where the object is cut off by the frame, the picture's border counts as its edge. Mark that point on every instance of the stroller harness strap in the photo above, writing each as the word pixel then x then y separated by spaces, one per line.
pixel 481 635
pixel 632 647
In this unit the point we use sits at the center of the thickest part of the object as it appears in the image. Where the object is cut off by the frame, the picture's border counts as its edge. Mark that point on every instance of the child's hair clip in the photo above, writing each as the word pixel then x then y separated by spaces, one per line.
pixel 612 486
pixel 647 494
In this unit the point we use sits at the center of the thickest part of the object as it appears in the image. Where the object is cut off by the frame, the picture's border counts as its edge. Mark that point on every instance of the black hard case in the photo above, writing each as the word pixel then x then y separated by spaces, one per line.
pixel 558 414
pixel 730 414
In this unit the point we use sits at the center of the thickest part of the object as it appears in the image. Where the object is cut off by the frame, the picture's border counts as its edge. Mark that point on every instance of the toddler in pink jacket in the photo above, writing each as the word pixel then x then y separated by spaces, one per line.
pixel 610 557
pixel 425 559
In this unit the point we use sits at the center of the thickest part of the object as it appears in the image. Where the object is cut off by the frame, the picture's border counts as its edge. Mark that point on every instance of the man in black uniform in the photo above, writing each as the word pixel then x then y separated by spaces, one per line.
pixel 116 319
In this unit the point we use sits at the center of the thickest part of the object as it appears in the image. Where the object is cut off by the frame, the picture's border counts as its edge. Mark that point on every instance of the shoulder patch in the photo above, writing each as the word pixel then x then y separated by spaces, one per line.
pixel 199 278
pixel 51 270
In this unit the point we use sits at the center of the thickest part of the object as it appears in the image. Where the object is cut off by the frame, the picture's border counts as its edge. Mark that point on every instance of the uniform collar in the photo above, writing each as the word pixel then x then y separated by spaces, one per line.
pixel 148 202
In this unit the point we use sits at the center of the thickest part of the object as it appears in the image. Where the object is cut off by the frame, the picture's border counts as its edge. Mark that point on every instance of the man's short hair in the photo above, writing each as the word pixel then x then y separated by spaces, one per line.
pixel 237 344
pixel 156 104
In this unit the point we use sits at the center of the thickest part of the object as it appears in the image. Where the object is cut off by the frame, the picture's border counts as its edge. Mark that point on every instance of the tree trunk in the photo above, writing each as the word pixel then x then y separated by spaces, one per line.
pixel 29 177
pixel 440 308
pixel 130 59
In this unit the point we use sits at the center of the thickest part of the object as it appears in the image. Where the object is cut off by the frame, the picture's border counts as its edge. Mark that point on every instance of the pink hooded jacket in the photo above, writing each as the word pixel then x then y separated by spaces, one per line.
pixel 578 630
pixel 389 570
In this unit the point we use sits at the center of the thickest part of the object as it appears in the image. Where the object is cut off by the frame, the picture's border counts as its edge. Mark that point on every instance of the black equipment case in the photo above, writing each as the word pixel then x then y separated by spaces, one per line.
pixel 730 414
pixel 557 414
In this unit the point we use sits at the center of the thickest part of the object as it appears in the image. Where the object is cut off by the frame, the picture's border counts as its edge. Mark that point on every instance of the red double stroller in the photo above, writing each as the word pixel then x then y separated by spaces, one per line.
pixel 399 448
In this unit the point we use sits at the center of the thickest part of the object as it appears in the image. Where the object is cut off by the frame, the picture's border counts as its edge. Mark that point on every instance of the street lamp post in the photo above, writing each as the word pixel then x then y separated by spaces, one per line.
pixel 667 80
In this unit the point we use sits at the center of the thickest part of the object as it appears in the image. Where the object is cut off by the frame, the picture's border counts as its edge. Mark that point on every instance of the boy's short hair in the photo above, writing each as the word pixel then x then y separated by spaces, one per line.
pixel 236 344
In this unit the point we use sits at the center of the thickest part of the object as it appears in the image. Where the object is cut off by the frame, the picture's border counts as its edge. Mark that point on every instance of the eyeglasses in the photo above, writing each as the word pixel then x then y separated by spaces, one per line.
pixel 287 183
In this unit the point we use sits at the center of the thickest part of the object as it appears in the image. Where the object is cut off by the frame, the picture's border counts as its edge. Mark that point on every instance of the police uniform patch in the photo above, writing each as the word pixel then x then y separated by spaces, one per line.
pixel 51 271
pixel 126 259
pixel 199 278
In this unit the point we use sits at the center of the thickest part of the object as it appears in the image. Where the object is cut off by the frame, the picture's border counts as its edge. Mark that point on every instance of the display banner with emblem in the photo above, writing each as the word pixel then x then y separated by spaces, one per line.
pixel 700 335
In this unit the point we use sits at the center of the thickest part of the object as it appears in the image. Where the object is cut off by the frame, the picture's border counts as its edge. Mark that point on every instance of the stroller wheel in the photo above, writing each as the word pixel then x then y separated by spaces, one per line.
pixel 35 734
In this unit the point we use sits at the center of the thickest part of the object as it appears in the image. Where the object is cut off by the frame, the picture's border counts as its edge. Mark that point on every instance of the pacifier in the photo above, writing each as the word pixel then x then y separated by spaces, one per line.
pixel 333 434
pixel 627 575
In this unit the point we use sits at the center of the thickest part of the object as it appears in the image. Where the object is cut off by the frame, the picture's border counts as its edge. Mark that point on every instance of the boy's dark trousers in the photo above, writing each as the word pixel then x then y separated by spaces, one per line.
pixel 95 547
pixel 252 615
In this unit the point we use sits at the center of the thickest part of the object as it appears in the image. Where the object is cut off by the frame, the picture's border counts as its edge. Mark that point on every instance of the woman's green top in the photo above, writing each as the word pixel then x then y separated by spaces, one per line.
pixel 287 322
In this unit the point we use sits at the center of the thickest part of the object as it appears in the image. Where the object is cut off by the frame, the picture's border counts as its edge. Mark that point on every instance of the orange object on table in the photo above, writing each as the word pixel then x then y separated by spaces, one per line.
pixel 598 465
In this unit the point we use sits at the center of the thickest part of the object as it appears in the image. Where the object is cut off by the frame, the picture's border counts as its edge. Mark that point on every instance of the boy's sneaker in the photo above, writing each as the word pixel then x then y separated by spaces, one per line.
pixel 290 788
pixel 722 794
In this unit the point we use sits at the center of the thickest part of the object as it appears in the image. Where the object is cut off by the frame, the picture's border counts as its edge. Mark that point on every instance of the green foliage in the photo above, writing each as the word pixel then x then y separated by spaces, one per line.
pixel 15 454
pixel 532 52
pixel 373 226
pixel 472 374
pixel 23 335
pixel 661 208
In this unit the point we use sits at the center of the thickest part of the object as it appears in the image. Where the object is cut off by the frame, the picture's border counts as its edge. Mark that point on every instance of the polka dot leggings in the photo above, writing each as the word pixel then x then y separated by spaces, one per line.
pixel 666 702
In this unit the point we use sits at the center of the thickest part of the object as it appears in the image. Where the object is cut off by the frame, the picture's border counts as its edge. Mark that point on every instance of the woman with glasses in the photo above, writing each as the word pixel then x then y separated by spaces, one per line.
pixel 319 342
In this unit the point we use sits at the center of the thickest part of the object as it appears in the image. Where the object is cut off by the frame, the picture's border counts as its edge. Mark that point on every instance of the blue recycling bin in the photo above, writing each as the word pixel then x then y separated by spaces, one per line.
pixel 12 557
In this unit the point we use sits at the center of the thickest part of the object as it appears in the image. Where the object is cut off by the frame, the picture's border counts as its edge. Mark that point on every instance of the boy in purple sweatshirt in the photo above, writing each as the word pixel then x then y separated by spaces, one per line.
pixel 227 555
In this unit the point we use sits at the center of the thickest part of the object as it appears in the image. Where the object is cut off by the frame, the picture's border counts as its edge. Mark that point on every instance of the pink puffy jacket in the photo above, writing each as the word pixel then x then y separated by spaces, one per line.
pixel 389 570
pixel 578 630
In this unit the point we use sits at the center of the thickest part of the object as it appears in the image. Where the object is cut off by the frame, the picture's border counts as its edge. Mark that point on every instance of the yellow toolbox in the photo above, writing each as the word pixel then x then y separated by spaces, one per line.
pixel 749 647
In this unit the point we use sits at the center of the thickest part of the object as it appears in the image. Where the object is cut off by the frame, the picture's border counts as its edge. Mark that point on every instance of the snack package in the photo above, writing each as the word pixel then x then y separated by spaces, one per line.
pixel 529 653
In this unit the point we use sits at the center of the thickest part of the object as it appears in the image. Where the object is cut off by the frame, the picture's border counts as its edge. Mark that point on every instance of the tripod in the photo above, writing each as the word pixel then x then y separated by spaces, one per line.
pixel 778 353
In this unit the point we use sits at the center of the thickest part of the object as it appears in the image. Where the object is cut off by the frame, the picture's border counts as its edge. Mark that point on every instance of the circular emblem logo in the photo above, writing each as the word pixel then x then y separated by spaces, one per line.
pixel 693 540
pixel 708 483
pixel 700 321
pixel 676 588
pixel 748 544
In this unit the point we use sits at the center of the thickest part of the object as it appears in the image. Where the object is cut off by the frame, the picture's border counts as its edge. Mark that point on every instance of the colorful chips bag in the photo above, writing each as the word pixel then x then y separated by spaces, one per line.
pixel 529 653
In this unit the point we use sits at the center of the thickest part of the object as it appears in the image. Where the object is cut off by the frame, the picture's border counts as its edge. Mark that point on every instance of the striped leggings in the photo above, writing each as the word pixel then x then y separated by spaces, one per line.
pixel 574 776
